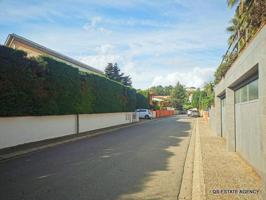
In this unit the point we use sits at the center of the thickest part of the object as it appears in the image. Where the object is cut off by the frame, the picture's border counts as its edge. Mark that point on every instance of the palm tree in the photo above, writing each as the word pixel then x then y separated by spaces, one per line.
pixel 242 4
pixel 233 29
pixel 249 15
pixel 237 27
pixel 232 3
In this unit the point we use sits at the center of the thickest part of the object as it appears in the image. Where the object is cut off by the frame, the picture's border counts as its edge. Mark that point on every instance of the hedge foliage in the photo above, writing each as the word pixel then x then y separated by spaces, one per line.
pixel 141 101
pixel 44 86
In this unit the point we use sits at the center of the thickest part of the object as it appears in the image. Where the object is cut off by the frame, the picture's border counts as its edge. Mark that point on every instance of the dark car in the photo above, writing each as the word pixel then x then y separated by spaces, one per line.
pixel 195 113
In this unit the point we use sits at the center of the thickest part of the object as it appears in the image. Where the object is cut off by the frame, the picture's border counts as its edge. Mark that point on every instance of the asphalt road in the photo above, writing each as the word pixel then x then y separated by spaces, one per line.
pixel 144 161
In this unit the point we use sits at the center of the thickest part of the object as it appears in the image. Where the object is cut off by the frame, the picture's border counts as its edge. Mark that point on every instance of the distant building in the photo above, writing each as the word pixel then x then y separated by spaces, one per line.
pixel 33 49
pixel 162 101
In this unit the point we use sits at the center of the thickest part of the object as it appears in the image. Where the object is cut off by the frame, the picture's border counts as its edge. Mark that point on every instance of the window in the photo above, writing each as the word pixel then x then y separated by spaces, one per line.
pixel 248 92
pixel 244 93
pixel 237 96
pixel 253 90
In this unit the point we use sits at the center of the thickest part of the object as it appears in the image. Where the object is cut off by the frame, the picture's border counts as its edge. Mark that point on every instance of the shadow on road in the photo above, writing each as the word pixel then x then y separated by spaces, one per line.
pixel 113 166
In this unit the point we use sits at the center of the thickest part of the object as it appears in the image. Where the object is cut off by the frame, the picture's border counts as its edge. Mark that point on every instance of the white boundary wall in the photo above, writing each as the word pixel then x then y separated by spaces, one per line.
pixel 20 130
pixel 89 122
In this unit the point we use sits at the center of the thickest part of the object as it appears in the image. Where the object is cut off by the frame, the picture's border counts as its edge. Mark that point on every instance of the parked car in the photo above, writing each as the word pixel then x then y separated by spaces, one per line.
pixel 195 113
pixel 144 113
pixel 182 112
pixel 189 112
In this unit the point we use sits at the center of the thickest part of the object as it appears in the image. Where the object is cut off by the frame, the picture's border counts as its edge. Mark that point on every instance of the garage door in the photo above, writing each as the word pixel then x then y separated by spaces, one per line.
pixel 247 122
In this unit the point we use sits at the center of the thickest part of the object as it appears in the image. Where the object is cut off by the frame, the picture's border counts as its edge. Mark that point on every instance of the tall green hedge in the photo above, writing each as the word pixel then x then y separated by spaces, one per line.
pixel 44 86
pixel 142 101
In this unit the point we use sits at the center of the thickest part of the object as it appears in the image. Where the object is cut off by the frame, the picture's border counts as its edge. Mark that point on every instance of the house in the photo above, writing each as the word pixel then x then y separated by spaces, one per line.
pixel 33 49
pixel 161 101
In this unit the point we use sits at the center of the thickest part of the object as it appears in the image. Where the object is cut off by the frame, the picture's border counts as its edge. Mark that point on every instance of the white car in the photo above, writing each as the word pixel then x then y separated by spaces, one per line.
pixel 144 113
pixel 189 112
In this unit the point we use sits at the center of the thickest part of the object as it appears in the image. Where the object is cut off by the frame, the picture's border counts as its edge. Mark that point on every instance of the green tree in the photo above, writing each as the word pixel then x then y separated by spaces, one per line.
pixel 157 90
pixel 162 91
pixel 116 73
pixel 203 99
pixel 249 16
pixel 168 90
pixel 126 80
pixel 232 3
pixel 109 71
pixel 178 96
pixel 196 99
pixel 143 92
pixel 234 28
pixel 112 71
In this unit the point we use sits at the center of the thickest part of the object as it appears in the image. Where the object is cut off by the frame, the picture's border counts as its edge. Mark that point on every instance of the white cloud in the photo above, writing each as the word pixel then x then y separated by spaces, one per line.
pixel 154 42
pixel 94 25
pixel 99 61
pixel 105 49
pixel 197 77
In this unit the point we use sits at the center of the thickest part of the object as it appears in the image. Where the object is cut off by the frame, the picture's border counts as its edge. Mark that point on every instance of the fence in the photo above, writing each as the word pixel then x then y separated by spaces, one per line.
pixel 164 113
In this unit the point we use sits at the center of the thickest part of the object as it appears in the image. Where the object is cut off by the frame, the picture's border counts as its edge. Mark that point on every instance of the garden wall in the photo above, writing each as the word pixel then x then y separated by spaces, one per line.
pixel 20 130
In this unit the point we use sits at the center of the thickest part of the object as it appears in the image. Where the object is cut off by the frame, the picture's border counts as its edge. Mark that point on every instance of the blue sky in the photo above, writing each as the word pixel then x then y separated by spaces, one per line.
pixel 155 42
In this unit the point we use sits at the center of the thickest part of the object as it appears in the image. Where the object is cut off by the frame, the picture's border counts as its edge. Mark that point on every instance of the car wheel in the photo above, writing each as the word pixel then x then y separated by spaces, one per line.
pixel 146 117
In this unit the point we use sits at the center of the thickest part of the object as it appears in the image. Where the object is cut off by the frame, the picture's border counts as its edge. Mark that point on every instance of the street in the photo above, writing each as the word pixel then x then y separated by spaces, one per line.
pixel 143 161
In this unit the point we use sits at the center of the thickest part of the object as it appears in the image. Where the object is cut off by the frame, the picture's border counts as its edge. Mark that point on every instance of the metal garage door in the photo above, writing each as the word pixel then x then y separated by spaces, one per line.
pixel 247 122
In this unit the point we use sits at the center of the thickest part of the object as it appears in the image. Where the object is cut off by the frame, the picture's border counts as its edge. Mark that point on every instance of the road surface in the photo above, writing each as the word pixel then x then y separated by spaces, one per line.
pixel 144 161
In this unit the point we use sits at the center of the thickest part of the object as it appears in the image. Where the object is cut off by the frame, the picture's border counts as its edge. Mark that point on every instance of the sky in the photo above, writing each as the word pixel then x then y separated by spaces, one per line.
pixel 155 42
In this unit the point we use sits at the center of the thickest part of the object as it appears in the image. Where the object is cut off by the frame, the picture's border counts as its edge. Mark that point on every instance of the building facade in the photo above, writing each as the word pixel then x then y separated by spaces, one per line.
pixel 239 114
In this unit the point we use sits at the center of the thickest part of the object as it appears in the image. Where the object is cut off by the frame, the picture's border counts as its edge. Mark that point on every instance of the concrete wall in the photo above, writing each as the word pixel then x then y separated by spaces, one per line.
pixel 97 121
pixel 20 130
pixel 212 118
pixel 252 57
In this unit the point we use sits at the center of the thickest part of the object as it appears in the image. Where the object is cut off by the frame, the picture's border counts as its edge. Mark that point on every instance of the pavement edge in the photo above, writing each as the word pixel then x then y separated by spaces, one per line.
pixel 193 186
pixel 186 184
pixel 198 188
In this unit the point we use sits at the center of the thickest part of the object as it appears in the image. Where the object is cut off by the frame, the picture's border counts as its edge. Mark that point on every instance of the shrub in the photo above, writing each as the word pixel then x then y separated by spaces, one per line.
pixel 44 86
pixel 142 101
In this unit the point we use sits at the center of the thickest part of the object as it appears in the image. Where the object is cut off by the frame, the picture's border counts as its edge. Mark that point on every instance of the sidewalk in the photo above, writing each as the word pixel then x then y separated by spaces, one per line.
pixel 225 174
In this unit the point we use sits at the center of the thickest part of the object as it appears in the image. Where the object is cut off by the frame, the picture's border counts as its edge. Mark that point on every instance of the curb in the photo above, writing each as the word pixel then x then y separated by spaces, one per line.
pixel 61 140
pixel 186 182
pixel 193 186
pixel 198 187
